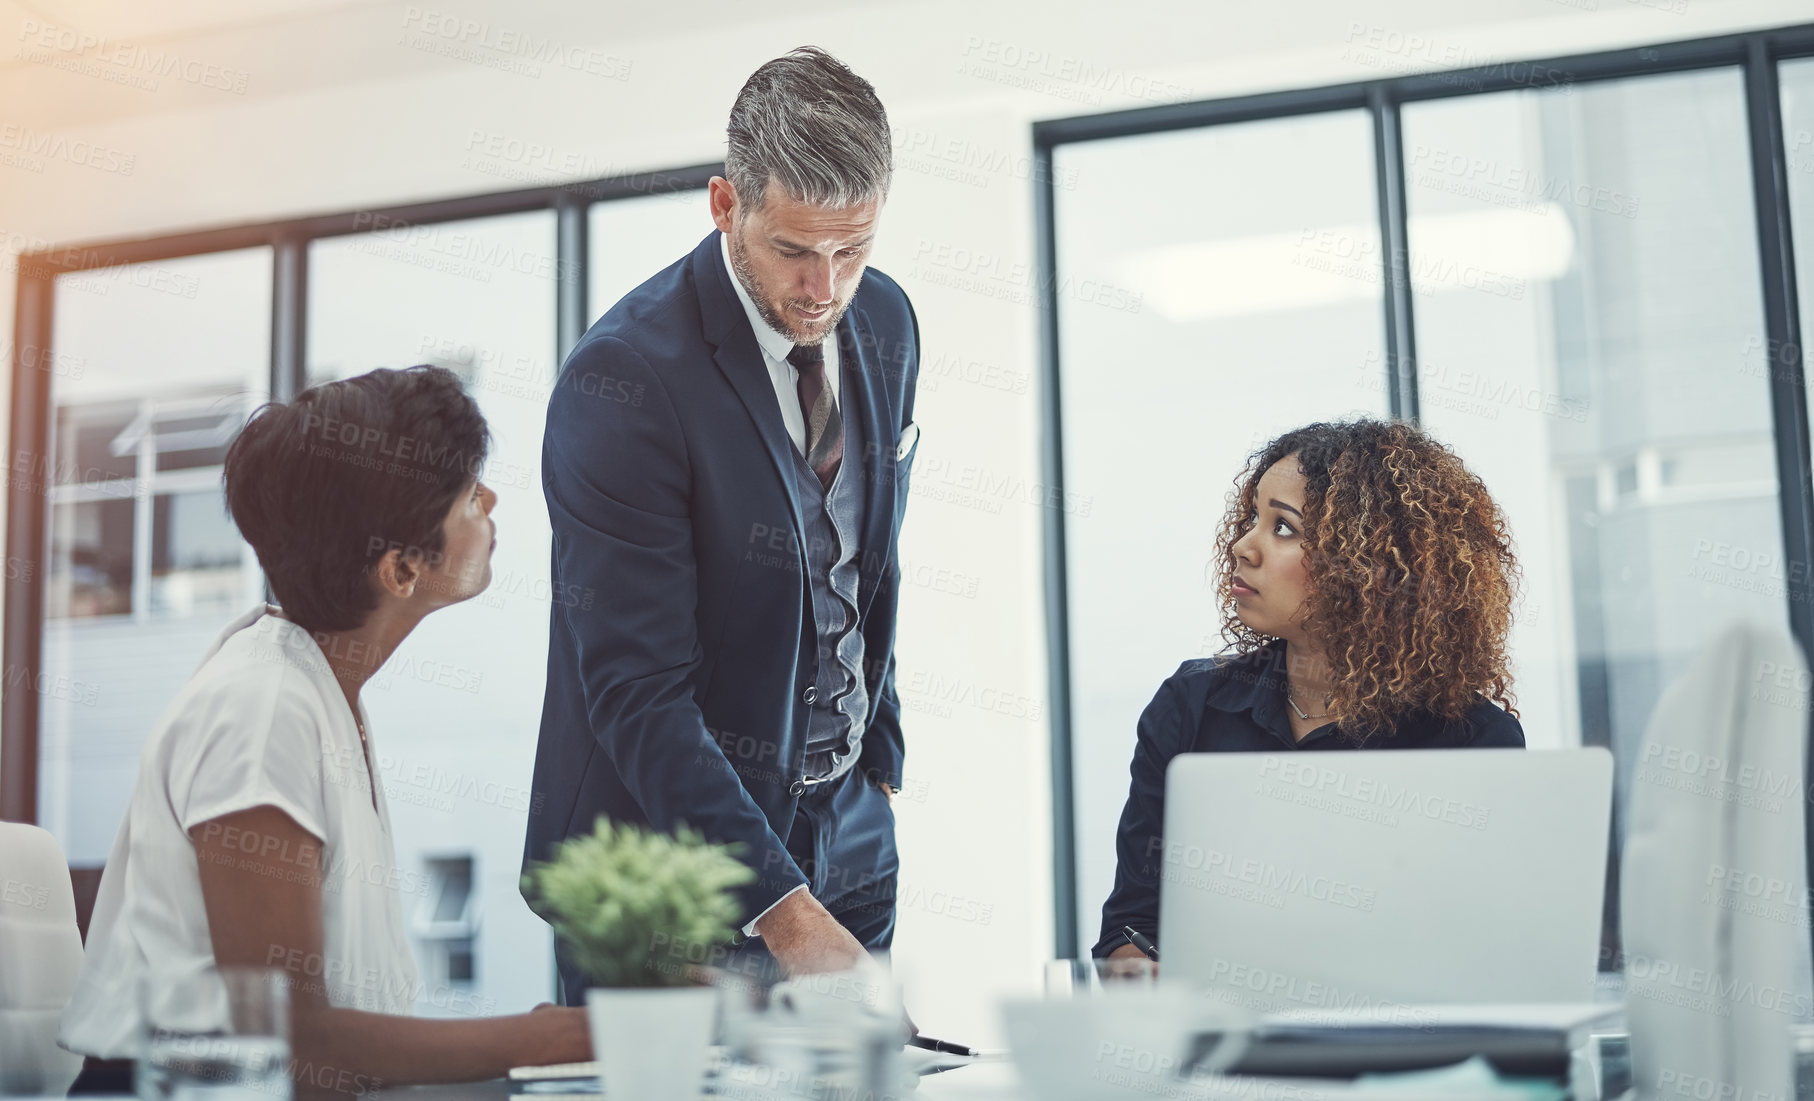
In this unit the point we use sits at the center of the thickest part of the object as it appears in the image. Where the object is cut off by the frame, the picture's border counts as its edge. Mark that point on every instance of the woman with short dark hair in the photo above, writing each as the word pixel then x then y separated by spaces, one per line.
pixel 256 834
pixel 1366 581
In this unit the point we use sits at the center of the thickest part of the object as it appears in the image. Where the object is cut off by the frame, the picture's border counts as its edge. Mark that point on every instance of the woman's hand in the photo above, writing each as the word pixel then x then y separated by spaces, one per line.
pixel 564 1030
pixel 262 878
pixel 1128 963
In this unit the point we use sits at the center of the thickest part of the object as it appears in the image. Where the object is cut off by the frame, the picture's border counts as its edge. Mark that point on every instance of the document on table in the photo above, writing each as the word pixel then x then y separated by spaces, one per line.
pixel 1470 1081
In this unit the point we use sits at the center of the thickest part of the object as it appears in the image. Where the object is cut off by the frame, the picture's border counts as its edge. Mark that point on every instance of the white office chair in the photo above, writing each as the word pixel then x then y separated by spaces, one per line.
pixel 1714 874
pixel 40 953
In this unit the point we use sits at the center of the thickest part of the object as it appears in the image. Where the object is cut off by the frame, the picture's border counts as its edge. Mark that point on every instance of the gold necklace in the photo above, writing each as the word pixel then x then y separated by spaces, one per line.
pixel 365 747
pixel 1300 711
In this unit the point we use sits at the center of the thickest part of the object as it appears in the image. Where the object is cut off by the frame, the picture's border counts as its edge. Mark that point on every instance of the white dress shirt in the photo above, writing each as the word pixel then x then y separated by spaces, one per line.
pixel 786 379
pixel 775 347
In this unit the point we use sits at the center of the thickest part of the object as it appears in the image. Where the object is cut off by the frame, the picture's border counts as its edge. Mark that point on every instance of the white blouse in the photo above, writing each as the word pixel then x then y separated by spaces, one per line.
pixel 262 722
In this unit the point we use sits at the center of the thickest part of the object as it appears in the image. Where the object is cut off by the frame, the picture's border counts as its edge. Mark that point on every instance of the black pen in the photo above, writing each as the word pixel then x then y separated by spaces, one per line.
pixel 945 1046
pixel 1138 939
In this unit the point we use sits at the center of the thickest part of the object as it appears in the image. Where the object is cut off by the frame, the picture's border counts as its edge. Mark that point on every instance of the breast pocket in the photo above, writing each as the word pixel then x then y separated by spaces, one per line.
pixel 905 448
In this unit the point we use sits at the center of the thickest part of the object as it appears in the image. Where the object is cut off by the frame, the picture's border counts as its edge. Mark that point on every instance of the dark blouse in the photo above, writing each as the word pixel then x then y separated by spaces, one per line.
pixel 1236 704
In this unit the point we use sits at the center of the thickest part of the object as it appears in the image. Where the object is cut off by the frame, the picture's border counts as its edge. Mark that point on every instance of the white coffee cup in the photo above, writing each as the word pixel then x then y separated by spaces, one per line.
pixel 835 995
pixel 1121 1044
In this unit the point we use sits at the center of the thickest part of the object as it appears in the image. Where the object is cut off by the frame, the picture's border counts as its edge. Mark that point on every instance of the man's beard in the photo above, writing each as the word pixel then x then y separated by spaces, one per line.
pixel 740 264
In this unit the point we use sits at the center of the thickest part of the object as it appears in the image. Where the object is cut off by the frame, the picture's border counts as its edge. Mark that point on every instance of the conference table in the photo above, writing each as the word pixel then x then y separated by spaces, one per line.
pixel 992 1081
pixel 981 1082
pixel 995 1079
pixel 989 1081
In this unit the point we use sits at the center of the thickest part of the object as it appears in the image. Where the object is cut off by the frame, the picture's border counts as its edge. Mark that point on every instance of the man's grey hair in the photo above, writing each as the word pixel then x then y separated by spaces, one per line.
pixel 812 126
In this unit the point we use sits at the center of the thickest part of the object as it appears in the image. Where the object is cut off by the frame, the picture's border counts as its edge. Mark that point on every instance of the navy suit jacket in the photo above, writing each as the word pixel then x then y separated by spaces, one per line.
pixel 682 636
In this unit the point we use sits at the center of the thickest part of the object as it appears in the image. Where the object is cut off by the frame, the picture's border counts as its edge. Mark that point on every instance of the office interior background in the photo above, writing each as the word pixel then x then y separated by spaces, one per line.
pixel 1140 241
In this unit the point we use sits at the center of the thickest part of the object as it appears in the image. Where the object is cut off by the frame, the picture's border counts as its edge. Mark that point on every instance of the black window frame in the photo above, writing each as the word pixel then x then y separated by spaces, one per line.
pixel 27 504
pixel 1756 54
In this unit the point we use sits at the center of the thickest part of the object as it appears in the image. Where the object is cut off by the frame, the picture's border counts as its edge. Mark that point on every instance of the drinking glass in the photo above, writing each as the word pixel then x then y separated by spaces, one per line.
pixel 1080 978
pixel 832 1035
pixel 1801 1042
pixel 220 1035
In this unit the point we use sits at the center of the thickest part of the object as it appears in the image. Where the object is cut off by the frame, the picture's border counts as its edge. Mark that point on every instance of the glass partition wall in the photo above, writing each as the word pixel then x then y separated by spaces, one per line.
pixel 1602 396
pixel 1569 279
pixel 1562 279
pixel 136 365
pixel 455 712
pixel 1258 318
pixel 157 366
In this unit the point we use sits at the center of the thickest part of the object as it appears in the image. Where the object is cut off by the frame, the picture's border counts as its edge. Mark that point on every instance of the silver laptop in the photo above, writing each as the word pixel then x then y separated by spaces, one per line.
pixel 1371 880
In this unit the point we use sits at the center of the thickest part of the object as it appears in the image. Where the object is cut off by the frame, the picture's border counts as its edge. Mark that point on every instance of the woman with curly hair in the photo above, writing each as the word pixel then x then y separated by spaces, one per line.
pixel 1366 581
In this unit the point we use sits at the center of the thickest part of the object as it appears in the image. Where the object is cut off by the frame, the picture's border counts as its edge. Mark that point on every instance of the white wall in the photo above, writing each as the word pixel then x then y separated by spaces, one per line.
pixel 343 108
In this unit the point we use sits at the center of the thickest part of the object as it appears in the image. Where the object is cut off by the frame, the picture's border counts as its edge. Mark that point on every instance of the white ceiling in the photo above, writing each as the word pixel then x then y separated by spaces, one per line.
pixel 288 46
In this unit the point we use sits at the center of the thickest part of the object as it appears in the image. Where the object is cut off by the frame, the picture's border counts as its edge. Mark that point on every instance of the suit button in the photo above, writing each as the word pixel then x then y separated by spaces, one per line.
pixel 811 694
pixel 797 788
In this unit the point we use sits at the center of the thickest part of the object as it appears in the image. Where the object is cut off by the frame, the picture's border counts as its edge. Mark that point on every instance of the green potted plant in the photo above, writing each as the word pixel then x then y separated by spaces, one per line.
pixel 638 911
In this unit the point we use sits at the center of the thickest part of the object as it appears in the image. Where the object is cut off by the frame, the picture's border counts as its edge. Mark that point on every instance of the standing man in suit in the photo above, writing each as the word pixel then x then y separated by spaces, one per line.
pixel 725 468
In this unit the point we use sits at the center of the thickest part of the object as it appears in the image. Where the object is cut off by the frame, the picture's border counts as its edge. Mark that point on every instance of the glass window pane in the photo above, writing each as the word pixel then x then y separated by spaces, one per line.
pixel 1185 345
pixel 86 435
pixel 91 555
pixel 453 888
pixel 632 239
pixel 1598 371
pixel 144 566
pixel 187 435
pixel 196 555
pixel 1797 79
pixel 455 711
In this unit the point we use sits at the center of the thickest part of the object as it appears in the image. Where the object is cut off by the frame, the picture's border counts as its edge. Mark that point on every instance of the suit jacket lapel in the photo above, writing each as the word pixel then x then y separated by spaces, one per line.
pixel 739 357
pixel 866 395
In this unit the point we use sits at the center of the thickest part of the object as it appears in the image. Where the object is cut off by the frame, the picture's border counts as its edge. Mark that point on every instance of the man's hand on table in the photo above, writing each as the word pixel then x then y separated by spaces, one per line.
pixel 806 940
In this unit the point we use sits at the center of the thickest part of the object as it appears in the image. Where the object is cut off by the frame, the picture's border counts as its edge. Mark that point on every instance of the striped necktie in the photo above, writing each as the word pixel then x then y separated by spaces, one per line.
pixel 824 427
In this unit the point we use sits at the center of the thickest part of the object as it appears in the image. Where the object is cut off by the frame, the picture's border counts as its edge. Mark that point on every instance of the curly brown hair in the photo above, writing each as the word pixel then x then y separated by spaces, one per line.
pixel 1411 571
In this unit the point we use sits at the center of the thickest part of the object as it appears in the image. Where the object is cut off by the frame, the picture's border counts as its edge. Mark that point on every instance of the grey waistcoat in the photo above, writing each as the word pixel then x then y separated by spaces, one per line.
pixel 833 520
